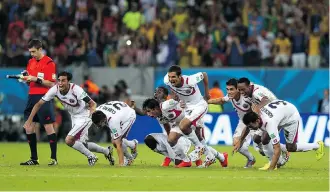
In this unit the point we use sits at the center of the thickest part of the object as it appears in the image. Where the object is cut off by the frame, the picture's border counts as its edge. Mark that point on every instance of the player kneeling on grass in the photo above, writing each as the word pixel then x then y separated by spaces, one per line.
pixel 80 106
pixel 119 117
pixel 157 142
pixel 281 115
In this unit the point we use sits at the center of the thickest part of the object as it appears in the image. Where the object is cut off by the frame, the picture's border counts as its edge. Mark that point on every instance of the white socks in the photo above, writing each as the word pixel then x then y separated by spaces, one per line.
pixel 268 150
pixel 130 144
pixel 283 148
pixel 126 153
pixel 194 139
pixel 245 152
pixel 302 147
pixel 217 155
pixel 96 148
pixel 79 146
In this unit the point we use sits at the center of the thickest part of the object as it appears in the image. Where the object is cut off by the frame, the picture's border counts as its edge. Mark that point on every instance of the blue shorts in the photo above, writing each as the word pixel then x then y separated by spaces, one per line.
pixel 45 115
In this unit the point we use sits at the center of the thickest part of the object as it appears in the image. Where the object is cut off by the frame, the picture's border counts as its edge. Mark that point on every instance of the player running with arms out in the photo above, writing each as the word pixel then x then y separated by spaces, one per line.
pixel 186 88
pixel 119 118
pixel 260 96
pixel 40 76
pixel 242 105
pixel 80 106
pixel 279 115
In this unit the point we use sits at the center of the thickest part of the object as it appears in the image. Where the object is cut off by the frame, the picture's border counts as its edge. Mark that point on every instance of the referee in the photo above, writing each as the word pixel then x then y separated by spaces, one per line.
pixel 41 76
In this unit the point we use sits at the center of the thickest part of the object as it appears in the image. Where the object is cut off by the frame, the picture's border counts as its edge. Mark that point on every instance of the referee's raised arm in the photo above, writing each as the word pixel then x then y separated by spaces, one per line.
pixel 41 76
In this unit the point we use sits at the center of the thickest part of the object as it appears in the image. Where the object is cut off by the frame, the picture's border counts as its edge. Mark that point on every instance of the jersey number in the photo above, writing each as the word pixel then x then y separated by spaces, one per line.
pixel 273 105
pixel 117 106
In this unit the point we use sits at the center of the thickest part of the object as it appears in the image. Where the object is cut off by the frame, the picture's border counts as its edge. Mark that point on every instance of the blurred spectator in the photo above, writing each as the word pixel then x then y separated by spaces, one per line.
pixel 90 88
pixel 323 104
pixel 133 18
pixel 299 41
pixel 234 51
pixel 282 50
pixel 215 92
pixel 314 53
pixel 105 95
pixel 265 46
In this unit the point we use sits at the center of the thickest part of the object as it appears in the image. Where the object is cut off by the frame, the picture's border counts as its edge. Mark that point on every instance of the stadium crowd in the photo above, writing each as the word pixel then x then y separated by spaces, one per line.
pixel 208 33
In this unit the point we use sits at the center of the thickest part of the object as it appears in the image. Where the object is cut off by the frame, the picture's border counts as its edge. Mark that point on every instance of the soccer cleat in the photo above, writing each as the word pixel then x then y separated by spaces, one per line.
pixel 134 152
pixel 30 162
pixel 167 162
pixel 52 162
pixel 183 164
pixel 196 153
pixel 92 160
pixel 225 162
pixel 109 157
pixel 320 150
pixel 265 167
pixel 250 163
pixel 198 162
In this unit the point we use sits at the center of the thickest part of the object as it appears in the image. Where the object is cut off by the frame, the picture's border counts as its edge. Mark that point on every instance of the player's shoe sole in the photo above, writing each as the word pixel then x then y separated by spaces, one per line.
pixel 30 162
pixel 109 157
pixel 92 160
pixel 320 150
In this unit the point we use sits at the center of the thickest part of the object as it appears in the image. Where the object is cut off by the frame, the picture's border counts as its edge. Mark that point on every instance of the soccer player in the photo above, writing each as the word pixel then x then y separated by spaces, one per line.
pixel 260 96
pixel 119 118
pixel 242 105
pixel 80 106
pixel 157 142
pixel 279 115
pixel 186 88
pixel 41 76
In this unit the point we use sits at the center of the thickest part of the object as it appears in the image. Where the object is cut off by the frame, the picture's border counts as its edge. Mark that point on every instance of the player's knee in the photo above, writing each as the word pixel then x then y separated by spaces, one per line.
pixel 172 142
pixel 257 139
pixel 150 142
pixel 69 141
pixel 185 125
pixel 291 147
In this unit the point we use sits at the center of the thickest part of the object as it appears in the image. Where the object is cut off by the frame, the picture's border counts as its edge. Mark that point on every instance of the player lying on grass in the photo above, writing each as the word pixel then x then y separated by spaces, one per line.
pixel 80 106
pixel 186 88
pixel 157 142
pixel 169 114
pixel 279 115
pixel 260 96
pixel 119 118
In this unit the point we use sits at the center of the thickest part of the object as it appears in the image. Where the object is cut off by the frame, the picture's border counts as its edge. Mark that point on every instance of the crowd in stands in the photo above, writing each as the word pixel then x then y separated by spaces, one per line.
pixel 191 33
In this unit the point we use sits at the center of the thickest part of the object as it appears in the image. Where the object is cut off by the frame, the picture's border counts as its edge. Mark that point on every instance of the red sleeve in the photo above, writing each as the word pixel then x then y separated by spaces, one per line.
pixel 50 71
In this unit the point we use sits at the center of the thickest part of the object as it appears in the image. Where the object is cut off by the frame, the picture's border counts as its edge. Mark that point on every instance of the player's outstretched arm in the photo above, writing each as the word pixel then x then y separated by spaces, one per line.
pixel 119 147
pixel 276 156
pixel 34 111
pixel 167 128
pixel 138 111
pixel 206 86
pixel 219 100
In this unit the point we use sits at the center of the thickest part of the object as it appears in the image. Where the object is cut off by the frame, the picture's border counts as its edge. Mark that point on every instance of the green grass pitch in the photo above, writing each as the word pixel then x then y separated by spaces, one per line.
pixel 301 173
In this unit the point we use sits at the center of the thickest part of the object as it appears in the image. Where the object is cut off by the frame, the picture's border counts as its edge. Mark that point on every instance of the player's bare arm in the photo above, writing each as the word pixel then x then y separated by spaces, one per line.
pixel 91 106
pixel 206 86
pixel 118 145
pixel 276 156
pixel 167 128
pixel 138 111
pixel 37 80
pixel 34 111
pixel 219 101
pixel 240 140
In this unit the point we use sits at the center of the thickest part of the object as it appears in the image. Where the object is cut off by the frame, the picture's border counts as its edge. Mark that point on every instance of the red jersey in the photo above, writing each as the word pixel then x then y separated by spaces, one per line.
pixel 44 69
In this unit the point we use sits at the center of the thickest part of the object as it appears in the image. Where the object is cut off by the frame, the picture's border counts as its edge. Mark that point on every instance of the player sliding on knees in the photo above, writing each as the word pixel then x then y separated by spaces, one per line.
pixel 80 106
pixel 187 90
pixel 119 118
pixel 279 115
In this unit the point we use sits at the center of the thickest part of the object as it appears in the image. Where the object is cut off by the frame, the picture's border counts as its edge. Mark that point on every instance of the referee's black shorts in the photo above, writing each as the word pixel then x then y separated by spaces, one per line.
pixel 45 115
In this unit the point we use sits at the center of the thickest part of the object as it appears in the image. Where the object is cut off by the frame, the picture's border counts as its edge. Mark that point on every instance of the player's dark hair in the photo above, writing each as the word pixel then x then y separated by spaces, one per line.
pixel 150 104
pixel 98 116
pixel 250 117
pixel 36 43
pixel 244 80
pixel 176 69
pixel 232 82
pixel 66 74
pixel 165 90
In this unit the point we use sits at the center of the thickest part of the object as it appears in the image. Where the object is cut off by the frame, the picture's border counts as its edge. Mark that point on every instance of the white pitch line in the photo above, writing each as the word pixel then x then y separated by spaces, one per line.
pixel 169 176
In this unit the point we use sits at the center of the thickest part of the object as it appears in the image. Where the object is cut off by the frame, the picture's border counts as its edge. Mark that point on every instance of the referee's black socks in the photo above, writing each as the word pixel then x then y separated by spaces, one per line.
pixel 53 145
pixel 32 139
